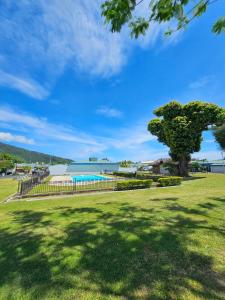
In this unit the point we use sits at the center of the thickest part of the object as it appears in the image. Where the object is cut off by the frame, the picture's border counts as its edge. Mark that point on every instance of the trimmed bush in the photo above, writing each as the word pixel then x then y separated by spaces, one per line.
pixel 133 184
pixel 171 180
pixel 144 176
pixel 154 177
pixel 125 174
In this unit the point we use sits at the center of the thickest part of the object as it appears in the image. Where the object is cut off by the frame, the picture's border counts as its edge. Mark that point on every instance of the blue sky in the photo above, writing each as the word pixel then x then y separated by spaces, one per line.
pixel 69 87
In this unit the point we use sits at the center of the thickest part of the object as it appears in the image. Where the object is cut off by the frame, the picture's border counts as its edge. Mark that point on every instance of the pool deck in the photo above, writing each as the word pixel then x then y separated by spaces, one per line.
pixel 60 178
pixel 67 180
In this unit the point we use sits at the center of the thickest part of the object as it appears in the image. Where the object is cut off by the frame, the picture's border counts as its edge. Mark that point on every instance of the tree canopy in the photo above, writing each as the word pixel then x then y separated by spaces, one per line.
pixel 219 133
pixel 181 12
pixel 180 128
pixel 7 161
pixel 125 163
pixel 10 157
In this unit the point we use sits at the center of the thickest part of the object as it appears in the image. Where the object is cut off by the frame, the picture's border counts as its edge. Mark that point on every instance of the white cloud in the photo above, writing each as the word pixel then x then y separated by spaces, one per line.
pixel 44 37
pixel 130 142
pixel 211 155
pixel 131 137
pixel 109 112
pixel 26 86
pixel 8 137
pixel 69 141
pixel 201 82
pixel 42 128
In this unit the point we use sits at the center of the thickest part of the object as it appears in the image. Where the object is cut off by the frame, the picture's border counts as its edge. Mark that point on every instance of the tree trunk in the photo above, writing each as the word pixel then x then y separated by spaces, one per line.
pixel 183 167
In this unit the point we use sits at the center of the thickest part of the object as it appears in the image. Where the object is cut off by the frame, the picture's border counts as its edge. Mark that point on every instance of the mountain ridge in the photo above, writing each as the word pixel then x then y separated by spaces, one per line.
pixel 33 156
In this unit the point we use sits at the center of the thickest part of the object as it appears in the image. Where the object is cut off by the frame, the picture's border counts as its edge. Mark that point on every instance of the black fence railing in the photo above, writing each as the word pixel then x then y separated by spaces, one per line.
pixel 25 185
pixel 38 186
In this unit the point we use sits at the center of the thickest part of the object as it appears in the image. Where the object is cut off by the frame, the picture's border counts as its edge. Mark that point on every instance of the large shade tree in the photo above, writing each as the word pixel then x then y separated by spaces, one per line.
pixel 219 133
pixel 180 128
pixel 181 12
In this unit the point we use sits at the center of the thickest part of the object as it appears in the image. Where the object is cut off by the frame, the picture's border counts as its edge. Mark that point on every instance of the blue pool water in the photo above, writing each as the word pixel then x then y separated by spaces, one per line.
pixel 84 178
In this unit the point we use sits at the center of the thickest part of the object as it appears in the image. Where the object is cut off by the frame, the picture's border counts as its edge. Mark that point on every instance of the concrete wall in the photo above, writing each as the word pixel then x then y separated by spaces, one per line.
pixel 218 168
pixel 92 168
pixel 58 169
pixel 129 170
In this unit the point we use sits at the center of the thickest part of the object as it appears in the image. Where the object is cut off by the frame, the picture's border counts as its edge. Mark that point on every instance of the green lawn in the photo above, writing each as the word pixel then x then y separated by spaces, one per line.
pixel 7 188
pixel 165 243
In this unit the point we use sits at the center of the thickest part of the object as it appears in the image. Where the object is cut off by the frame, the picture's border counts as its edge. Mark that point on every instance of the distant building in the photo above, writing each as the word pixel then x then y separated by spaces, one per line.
pixel 58 169
pixel 214 166
pixel 25 168
pixel 218 167
pixel 146 165
pixel 92 166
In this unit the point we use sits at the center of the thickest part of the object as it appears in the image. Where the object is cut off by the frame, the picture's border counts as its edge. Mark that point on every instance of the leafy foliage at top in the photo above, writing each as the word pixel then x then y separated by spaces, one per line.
pixel 120 12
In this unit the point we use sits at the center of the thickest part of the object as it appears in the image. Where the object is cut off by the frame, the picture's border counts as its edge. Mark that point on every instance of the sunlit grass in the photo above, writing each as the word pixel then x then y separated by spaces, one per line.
pixel 7 188
pixel 165 243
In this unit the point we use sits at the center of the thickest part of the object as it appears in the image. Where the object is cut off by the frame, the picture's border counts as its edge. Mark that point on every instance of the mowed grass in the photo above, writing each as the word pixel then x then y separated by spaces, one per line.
pixel 165 243
pixel 7 188
pixel 49 188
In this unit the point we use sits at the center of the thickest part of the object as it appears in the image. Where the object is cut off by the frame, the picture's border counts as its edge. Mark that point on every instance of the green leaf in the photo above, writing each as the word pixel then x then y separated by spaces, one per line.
pixel 138 27
pixel 200 9
pixel 219 26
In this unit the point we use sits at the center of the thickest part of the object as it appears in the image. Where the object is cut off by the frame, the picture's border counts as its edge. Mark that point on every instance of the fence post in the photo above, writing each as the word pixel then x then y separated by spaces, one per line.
pixel 74 185
pixel 19 187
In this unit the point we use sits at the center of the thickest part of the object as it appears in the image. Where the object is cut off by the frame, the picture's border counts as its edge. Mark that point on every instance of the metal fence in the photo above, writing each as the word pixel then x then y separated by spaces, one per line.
pixel 28 183
pixel 38 186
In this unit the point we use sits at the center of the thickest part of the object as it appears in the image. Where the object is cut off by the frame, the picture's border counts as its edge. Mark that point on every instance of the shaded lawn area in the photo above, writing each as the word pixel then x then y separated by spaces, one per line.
pixel 7 188
pixel 152 244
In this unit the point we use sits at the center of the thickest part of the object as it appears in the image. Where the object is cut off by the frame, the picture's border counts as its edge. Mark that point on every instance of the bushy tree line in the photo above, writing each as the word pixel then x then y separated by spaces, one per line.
pixel 180 127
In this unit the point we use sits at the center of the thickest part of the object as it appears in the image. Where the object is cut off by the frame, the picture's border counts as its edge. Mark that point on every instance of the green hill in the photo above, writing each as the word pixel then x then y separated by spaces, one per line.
pixel 32 156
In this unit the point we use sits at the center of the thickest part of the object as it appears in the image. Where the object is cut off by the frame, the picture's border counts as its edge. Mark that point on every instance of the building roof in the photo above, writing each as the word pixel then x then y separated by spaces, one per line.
pixel 94 162
pixel 161 161
pixel 218 162
pixel 147 162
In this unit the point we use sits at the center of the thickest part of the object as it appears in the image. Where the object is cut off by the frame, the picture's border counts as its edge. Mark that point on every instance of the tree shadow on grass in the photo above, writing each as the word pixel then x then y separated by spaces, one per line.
pixel 133 257
pixel 23 261
pixel 164 199
pixel 207 205
pixel 219 199
pixel 193 178
pixel 192 211
pixel 129 253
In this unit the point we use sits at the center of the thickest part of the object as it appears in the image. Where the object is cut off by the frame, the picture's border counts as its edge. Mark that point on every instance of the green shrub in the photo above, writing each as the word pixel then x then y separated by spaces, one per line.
pixel 171 180
pixel 139 175
pixel 154 177
pixel 125 174
pixel 133 184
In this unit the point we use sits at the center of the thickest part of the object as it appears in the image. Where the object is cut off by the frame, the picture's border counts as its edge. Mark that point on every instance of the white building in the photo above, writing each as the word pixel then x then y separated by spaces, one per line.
pixel 218 167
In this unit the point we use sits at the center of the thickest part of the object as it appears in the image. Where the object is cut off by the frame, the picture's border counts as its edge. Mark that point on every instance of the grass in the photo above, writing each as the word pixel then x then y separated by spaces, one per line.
pixel 163 243
pixel 54 188
pixel 7 188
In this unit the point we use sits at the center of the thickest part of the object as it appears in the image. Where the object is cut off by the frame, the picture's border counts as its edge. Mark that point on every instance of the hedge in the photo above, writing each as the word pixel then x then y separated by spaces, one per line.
pixel 133 184
pixel 125 174
pixel 154 177
pixel 168 181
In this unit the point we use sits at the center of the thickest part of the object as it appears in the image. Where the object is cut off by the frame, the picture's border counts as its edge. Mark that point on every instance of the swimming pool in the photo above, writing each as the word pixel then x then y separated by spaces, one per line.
pixel 85 178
